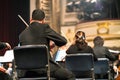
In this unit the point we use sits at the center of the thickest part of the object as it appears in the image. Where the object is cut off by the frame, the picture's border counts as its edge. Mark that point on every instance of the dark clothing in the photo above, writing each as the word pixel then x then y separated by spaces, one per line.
pixel 2 45
pixel 5 76
pixel 39 33
pixel 73 49
pixel 103 52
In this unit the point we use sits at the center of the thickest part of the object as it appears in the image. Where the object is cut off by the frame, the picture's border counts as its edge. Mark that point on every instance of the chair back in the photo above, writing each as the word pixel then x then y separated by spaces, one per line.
pixel 101 66
pixel 80 63
pixel 31 56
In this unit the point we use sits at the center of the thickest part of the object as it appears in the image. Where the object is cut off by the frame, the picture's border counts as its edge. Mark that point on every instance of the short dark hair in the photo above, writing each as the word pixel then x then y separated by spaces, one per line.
pixel 38 14
pixel 98 41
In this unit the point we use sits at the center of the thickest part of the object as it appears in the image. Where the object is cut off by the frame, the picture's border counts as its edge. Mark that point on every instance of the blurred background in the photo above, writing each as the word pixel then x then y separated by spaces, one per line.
pixel 94 17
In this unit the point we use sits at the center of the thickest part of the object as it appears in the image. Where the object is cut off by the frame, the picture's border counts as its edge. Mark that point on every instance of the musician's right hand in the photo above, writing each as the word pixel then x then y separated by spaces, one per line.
pixel 2 69
pixel 115 68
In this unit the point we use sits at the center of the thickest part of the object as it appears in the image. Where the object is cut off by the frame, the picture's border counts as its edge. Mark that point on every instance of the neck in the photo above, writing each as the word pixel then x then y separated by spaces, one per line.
pixel 42 21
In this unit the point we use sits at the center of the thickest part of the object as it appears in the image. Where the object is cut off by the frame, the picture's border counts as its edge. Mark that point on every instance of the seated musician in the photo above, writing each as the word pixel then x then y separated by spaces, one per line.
pixel 116 68
pixel 3 72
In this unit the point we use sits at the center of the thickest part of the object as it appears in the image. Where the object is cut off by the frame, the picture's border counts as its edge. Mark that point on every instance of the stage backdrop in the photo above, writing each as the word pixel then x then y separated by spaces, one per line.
pixel 94 17
pixel 10 24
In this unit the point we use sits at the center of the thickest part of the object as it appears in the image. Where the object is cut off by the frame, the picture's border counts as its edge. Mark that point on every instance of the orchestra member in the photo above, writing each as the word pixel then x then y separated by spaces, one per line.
pixel 4 74
pixel 40 33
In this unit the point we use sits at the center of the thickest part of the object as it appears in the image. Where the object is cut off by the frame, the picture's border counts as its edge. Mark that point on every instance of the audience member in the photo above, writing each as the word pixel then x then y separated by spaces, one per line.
pixel 100 50
pixel 80 45
pixel 40 33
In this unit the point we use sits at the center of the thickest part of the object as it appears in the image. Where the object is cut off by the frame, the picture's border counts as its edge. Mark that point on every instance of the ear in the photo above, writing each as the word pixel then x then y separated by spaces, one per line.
pixel 43 21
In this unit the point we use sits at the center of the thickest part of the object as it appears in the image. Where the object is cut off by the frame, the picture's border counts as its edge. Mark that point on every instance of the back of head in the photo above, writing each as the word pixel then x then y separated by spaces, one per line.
pixel 80 39
pixel 98 41
pixel 80 36
pixel 38 14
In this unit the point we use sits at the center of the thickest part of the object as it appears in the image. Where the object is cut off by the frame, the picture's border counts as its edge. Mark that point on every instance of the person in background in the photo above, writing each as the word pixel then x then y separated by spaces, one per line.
pixel 80 45
pixel 103 52
pixel 40 33
pixel 116 68
pixel 4 73
pixel 100 50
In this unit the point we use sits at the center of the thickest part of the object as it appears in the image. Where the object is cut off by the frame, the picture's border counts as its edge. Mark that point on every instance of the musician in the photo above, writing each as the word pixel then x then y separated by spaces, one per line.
pixel 40 33
pixel 80 45
pixel 100 50
pixel 3 72
pixel 116 67
pixel 116 63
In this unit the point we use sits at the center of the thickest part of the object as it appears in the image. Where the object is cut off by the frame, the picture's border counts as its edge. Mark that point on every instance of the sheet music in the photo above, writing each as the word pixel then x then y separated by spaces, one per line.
pixel 60 55
pixel 8 57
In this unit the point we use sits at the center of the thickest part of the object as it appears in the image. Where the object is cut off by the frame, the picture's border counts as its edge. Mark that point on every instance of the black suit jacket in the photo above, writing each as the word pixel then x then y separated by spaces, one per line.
pixel 73 49
pixel 38 33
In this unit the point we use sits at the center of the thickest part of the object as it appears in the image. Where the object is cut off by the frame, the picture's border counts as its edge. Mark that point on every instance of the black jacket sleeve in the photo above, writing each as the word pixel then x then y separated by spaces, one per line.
pixel 109 55
pixel 56 37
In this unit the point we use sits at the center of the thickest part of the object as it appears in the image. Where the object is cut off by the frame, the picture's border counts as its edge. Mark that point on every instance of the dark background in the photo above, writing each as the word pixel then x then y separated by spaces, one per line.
pixel 97 10
pixel 10 23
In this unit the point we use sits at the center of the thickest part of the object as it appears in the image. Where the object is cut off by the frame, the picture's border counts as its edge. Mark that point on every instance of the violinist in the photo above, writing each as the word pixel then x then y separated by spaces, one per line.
pixel 40 33
pixel 116 68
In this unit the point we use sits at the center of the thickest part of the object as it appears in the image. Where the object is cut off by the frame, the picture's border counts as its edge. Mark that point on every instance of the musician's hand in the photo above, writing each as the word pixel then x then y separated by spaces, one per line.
pixel 52 45
pixel 8 46
pixel 2 69
pixel 115 68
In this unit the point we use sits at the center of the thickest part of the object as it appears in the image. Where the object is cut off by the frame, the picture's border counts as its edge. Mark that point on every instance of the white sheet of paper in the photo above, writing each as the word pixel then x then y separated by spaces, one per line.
pixel 8 57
